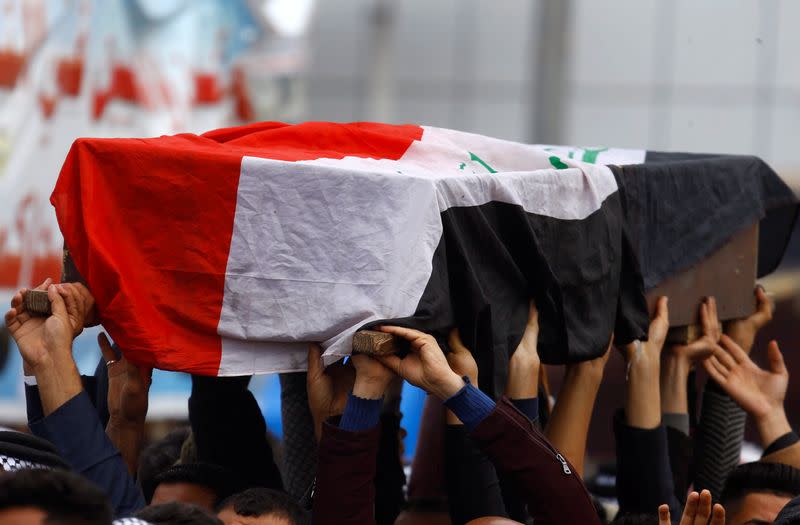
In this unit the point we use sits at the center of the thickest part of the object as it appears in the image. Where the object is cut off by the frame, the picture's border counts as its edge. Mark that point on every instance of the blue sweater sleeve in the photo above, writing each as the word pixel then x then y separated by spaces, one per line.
pixel 360 414
pixel 75 430
pixel 470 405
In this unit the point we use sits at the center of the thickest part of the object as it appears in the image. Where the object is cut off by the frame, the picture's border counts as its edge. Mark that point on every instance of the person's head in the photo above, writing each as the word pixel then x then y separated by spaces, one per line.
pixel 755 493
pixel 177 514
pixel 260 506
pixel 159 456
pixel 201 484
pixel 51 497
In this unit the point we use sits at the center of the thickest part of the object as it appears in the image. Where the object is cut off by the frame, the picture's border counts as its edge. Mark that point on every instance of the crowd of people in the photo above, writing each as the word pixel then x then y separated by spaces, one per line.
pixel 517 459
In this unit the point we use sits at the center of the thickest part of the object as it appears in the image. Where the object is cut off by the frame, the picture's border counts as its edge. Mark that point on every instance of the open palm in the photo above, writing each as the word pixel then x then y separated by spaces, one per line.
pixel 756 390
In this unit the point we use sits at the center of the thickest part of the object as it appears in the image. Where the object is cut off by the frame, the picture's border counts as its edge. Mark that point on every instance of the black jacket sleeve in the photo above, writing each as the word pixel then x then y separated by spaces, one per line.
pixel 644 475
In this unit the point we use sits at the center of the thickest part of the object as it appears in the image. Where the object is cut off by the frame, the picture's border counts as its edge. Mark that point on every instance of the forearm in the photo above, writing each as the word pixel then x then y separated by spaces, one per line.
pixel 128 438
pixel 674 395
pixel 523 376
pixel 643 397
pixel 58 381
pixel 568 427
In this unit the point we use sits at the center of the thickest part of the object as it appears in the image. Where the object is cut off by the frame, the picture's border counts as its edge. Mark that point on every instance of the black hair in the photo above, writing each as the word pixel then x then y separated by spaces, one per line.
pixel 159 456
pixel 221 481
pixel 255 502
pixel 66 498
pixel 176 513
pixel 773 478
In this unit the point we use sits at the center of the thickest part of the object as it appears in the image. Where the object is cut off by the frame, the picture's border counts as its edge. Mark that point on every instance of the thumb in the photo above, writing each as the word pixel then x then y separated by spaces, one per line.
pixel 57 305
pixel 105 348
pixel 776 364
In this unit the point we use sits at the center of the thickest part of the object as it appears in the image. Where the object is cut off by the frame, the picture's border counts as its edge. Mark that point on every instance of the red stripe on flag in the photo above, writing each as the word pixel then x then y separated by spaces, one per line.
pixel 149 224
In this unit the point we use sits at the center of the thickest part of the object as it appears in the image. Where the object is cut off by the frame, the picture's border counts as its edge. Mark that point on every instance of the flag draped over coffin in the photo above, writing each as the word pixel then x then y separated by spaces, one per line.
pixel 226 253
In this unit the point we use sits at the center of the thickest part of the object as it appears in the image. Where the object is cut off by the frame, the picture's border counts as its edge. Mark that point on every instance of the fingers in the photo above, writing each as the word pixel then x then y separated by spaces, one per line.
pixel 725 358
pixel 716 370
pixel 718 515
pixel 660 323
pixel 734 350
pixel 57 305
pixel 709 319
pixel 690 510
pixel 713 371
pixel 776 364
pixel 663 515
pixel 662 309
pixel 105 348
pixel 45 285
pixel 18 300
pixel 11 319
pixel 71 300
pixel 703 508
pixel 414 336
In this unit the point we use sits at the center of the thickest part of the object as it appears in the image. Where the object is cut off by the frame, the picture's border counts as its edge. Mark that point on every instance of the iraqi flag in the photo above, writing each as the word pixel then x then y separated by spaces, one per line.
pixel 227 253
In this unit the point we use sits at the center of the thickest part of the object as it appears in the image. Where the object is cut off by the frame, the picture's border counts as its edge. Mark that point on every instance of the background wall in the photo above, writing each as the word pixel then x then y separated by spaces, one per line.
pixel 713 76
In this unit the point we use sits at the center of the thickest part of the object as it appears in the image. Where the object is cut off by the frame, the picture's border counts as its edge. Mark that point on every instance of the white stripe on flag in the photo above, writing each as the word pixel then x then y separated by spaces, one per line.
pixel 321 247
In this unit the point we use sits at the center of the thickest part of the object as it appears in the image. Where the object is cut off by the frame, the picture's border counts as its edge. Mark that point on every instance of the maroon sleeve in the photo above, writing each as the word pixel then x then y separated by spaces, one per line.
pixel 553 490
pixel 345 491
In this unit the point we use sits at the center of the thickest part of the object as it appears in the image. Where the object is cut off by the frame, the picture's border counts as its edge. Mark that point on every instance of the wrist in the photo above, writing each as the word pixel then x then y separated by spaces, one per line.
pixel 368 388
pixel 118 422
pixel 586 371
pixel 772 425
pixel 448 386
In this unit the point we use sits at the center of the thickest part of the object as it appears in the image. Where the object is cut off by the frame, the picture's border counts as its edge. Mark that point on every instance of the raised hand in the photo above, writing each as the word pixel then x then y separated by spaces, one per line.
pixel 643 396
pixel 680 359
pixel 703 347
pixel 425 366
pixel 40 339
pixel 460 358
pixel 657 333
pixel 523 367
pixel 743 331
pixel 759 392
pixel 698 510
pixel 128 386
pixel 327 388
